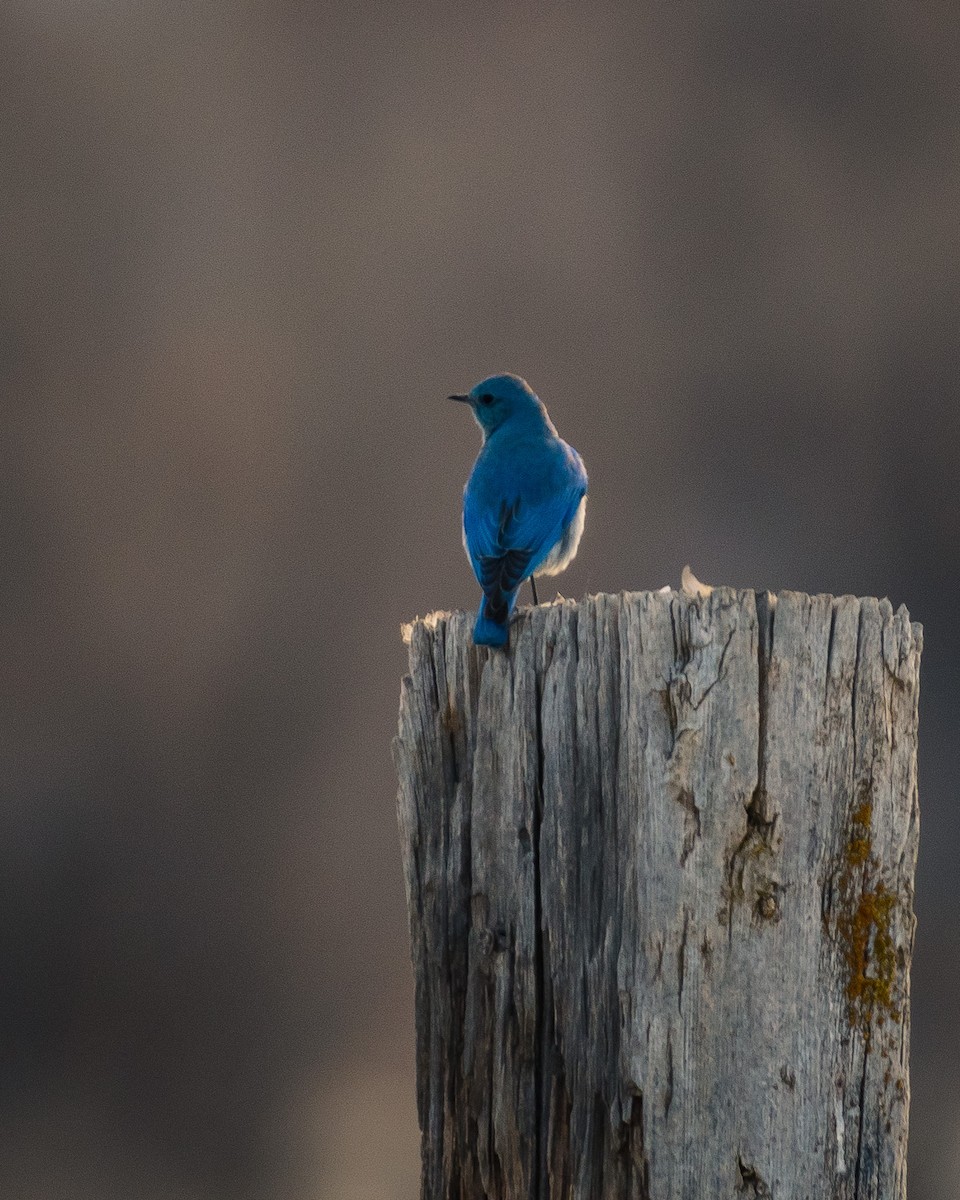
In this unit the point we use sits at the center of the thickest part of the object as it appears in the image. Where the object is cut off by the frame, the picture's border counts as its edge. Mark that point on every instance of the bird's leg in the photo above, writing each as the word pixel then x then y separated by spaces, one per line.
pixel 533 588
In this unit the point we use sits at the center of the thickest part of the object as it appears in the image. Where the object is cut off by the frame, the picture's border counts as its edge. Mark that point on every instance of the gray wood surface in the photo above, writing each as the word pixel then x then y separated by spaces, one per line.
pixel 659 861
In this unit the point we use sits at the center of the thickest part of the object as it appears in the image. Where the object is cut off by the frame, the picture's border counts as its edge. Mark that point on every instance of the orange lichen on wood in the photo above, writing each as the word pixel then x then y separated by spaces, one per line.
pixel 863 926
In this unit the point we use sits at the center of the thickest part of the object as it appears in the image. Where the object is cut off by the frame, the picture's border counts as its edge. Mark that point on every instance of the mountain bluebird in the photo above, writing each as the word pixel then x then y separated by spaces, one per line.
pixel 524 503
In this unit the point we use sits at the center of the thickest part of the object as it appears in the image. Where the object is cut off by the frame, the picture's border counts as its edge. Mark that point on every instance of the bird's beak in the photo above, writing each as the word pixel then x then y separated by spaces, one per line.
pixel 464 399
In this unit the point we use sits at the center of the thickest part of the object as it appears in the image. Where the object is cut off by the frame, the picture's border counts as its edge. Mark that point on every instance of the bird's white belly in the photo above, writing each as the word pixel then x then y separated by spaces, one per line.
pixel 565 550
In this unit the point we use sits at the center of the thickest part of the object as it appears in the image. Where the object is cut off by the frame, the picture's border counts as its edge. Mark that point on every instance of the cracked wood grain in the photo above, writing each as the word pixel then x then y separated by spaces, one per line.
pixel 659 860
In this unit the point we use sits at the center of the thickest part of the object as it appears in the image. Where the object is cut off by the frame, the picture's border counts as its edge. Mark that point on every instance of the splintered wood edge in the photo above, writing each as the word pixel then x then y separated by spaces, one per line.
pixel 432 621
pixel 429 622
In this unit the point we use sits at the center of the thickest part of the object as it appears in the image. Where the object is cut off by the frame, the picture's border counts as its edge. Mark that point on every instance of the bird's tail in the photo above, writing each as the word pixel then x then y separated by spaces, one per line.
pixel 489 631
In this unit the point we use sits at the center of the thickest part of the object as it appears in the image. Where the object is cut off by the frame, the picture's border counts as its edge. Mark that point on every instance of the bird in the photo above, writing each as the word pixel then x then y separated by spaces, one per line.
pixel 524 503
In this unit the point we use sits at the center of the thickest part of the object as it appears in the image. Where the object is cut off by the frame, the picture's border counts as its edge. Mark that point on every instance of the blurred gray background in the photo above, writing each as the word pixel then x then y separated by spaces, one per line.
pixel 247 249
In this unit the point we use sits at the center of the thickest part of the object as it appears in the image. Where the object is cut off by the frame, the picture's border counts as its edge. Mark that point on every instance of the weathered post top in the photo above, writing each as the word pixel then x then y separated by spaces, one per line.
pixel 659 860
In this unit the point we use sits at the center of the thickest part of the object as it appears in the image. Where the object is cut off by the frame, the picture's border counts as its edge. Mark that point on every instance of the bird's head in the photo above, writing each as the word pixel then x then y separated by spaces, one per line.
pixel 502 398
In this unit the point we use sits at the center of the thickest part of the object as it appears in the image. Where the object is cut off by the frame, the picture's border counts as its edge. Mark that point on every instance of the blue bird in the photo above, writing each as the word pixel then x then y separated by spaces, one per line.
pixel 524 503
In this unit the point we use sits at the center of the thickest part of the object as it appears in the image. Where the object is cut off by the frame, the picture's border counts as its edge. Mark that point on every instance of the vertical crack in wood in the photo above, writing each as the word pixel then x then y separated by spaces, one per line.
pixel 830 640
pixel 861 1114
pixel 847 900
pixel 853 687
pixel 668 1090
pixel 638 1162
pixel 541 1181
pixel 760 821
pixel 719 675
pixel 766 612
pixel 471 665
pixel 682 960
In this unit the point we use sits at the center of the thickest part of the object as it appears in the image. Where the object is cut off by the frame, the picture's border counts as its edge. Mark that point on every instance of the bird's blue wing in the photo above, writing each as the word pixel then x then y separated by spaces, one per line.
pixel 508 532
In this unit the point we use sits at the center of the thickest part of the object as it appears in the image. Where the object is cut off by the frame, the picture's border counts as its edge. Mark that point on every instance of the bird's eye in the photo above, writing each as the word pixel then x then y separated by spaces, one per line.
pixel 486 398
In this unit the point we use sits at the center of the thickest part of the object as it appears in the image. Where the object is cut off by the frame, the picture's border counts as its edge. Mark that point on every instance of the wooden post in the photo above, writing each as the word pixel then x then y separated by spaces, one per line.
pixel 659 861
